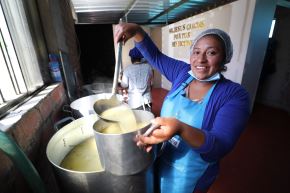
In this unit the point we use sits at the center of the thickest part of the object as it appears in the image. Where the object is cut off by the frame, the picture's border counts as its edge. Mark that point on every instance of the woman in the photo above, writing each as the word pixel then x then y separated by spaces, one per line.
pixel 203 114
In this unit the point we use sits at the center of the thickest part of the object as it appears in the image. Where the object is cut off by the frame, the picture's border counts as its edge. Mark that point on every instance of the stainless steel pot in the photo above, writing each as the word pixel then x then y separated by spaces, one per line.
pixel 97 88
pixel 95 181
pixel 84 105
pixel 119 153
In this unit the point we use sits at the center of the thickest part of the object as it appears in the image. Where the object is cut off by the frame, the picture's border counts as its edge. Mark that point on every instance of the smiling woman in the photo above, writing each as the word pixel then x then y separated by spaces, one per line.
pixel 196 122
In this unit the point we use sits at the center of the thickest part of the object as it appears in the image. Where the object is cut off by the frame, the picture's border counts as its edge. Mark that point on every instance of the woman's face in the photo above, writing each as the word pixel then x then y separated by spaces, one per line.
pixel 207 56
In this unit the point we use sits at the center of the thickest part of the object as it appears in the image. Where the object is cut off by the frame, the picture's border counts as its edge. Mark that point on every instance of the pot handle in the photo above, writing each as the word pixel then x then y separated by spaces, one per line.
pixel 160 146
pixel 61 123
pixel 67 109
pixel 151 129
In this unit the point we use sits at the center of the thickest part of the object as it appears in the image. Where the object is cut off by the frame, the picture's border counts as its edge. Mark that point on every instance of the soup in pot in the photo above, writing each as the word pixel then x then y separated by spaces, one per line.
pixel 83 157
pixel 125 118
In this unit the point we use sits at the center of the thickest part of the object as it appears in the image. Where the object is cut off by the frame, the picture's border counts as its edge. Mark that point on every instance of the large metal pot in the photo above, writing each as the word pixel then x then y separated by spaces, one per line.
pixel 84 105
pixel 119 153
pixel 96 88
pixel 95 181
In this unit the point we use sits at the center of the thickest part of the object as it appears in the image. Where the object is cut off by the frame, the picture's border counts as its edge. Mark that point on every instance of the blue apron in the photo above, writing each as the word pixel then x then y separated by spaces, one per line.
pixel 179 166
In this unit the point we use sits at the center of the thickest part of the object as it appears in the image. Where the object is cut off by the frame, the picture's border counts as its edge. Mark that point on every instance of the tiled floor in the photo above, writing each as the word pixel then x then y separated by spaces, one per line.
pixel 260 162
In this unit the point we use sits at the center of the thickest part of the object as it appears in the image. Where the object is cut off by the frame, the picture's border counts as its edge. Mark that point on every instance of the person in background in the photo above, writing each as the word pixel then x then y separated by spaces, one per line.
pixel 203 115
pixel 137 79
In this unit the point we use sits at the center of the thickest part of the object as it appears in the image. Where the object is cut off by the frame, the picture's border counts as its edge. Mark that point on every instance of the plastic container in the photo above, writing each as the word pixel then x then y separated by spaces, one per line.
pixel 55 71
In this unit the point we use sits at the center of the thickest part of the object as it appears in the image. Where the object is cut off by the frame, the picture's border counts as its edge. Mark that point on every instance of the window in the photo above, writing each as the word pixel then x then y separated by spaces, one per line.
pixel 272 28
pixel 19 70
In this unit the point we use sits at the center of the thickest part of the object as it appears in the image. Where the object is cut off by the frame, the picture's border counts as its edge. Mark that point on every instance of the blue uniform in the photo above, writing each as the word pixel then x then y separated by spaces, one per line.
pixel 223 116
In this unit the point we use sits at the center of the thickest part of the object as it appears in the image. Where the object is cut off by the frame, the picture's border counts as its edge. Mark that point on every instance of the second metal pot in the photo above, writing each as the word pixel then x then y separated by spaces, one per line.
pixel 84 105
pixel 119 153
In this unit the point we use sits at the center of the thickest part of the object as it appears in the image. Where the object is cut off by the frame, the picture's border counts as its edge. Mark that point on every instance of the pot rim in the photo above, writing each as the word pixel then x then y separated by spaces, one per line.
pixel 61 133
pixel 137 131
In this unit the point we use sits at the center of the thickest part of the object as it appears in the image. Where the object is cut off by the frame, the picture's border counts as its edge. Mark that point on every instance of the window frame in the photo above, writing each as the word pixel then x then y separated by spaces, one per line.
pixel 11 105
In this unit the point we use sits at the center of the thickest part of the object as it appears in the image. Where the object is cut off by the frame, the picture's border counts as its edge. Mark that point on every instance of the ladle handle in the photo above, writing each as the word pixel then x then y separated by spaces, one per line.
pixel 151 129
pixel 117 66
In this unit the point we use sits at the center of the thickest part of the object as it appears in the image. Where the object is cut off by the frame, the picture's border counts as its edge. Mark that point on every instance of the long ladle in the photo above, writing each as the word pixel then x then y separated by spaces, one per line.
pixel 103 104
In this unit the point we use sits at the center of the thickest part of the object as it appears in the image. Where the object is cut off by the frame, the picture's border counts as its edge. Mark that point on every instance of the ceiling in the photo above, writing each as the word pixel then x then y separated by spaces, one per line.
pixel 145 12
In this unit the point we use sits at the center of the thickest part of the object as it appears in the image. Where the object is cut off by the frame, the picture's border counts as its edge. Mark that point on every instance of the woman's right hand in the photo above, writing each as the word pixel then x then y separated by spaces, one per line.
pixel 168 128
pixel 125 31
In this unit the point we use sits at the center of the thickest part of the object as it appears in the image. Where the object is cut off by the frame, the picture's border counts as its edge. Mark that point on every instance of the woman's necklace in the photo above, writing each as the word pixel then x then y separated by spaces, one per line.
pixel 196 90
pixel 188 94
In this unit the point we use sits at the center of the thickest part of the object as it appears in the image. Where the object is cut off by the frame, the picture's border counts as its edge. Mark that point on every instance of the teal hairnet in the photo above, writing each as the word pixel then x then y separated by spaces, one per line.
pixel 224 37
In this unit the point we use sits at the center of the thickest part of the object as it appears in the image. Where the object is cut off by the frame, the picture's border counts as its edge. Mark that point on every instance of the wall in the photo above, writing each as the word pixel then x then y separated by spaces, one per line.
pixel 259 35
pixel 35 26
pixel 234 18
pixel 32 132
pixel 156 34
pixel 59 32
pixel 274 88
pixel 32 124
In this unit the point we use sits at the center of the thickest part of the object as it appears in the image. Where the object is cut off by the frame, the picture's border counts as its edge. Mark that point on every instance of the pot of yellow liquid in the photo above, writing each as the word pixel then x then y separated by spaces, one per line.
pixel 73 153
pixel 116 141
pixel 84 106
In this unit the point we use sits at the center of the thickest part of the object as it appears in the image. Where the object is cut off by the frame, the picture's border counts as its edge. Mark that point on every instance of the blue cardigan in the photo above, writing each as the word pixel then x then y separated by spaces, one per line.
pixel 226 114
